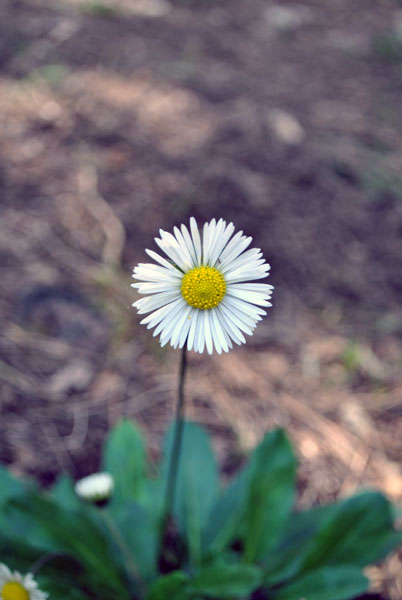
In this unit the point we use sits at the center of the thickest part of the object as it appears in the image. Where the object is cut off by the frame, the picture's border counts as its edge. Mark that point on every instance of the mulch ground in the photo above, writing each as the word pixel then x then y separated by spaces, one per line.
pixel 119 118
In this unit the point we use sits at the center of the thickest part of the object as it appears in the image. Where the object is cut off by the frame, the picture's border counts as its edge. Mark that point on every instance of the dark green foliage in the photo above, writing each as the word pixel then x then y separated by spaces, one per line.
pixel 9 486
pixel 328 583
pixel 256 505
pixel 139 535
pixel 270 494
pixel 285 559
pixel 170 586
pixel 63 493
pixel 197 484
pixel 222 543
pixel 226 515
pixel 357 532
pixel 124 457
pixel 225 581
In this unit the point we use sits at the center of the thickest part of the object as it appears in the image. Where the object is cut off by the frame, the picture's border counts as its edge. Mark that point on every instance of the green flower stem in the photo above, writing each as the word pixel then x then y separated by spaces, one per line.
pixel 177 443
pixel 125 551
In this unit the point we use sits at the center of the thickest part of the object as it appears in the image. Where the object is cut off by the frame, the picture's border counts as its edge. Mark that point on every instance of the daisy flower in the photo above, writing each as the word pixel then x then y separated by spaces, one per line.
pixel 14 586
pixel 95 487
pixel 200 294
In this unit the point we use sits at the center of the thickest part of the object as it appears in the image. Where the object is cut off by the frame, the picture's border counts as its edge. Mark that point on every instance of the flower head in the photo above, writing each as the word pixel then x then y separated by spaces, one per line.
pixel 14 586
pixel 95 488
pixel 201 295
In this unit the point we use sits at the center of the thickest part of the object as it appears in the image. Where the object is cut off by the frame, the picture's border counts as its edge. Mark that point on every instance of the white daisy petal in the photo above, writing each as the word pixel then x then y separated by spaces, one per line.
pixel 145 305
pixel 215 235
pixel 240 323
pixel 189 244
pixel 162 261
pixel 196 330
pixel 214 335
pixel 221 242
pixel 224 333
pixel 168 321
pixel 179 326
pixel 252 297
pixel 245 307
pixel 229 247
pixel 201 336
pixel 232 251
pixel 170 246
pixel 252 257
pixel 192 330
pixel 152 287
pixel 201 296
pixel 249 275
pixel 250 320
pixel 10 582
pixel 231 328
pixel 195 234
pixel 207 329
pixel 146 273
pixel 5 573
pixel 185 332
pixel 219 336
pixel 264 288
pixel 155 317
pixel 183 246
pixel 206 241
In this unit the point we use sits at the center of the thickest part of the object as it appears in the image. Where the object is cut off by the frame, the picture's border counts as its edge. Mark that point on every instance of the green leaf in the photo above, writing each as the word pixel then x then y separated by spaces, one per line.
pixel 396 511
pixel 77 533
pixel 303 544
pixel 271 494
pixel 13 531
pixel 197 483
pixel 18 549
pixel 357 532
pixel 329 583
pixel 64 494
pixel 170 586
pixel 139 536
pixel 226 515
pixel 285 559
pixel 256 505
pixel 226 581
pixel 24 534
pixel 19 530
pixel 124 458
pixel 154 499
pixel 9 486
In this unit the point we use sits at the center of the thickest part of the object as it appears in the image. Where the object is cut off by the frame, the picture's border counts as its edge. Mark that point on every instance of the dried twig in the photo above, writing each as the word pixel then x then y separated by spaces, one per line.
pixel 102 211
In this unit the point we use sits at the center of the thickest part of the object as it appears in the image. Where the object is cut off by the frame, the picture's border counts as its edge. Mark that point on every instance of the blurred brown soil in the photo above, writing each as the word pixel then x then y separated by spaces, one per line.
pixel 119 118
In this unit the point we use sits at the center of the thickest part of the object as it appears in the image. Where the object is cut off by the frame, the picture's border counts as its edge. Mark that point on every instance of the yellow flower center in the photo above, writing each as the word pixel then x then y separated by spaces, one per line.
pixel 13 590
pixel 203 287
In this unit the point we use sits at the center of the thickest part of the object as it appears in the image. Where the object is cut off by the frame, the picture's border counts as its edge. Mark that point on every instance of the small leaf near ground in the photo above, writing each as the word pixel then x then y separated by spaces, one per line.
pixel 124 458
pixel 197 483
pixel 169 587
pixel 9 486
pixel 285 559
pixel 271 494
pixel 328 583
pixel 357 531
pixel 139 535
pixel 226 581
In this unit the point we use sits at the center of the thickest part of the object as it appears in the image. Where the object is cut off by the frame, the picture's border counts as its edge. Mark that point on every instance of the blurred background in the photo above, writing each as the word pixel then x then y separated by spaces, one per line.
pixel 118 117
